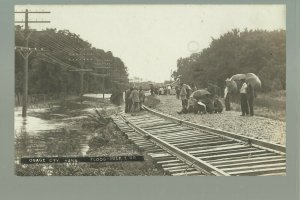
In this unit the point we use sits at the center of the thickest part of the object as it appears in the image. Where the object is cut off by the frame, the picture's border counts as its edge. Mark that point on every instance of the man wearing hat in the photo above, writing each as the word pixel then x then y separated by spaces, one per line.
pixel 244 102
pixel 184 100
pixel 134 96
pixel 128 100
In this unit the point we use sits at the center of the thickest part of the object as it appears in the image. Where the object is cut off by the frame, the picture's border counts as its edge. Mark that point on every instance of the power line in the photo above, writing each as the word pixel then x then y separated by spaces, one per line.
pixel 26 53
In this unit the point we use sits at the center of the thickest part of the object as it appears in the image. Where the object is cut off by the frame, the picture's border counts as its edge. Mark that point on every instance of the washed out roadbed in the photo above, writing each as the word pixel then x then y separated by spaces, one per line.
pixel 257 127
pixel 78 131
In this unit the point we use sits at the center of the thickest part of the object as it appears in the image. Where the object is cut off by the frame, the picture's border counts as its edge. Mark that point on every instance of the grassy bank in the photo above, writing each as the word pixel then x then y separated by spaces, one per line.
pixel 270 105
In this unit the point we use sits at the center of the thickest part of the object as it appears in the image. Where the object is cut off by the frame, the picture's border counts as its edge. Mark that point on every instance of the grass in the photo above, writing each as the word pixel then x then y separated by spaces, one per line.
pixel 270 105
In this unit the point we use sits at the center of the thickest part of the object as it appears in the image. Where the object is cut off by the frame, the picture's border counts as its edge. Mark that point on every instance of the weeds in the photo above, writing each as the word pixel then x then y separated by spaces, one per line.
pixel 101 117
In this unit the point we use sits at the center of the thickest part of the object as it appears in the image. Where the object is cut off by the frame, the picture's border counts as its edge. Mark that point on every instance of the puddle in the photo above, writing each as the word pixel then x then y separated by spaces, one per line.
pixel 47 132
pixel 33 125
pixel 98 96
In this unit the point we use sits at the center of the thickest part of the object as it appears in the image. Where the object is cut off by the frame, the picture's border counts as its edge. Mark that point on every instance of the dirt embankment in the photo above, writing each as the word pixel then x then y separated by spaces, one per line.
pixel 101 139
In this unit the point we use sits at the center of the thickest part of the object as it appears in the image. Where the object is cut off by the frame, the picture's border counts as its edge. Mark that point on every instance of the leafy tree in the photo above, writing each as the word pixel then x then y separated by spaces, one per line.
pixel 52 70
pixel 257 51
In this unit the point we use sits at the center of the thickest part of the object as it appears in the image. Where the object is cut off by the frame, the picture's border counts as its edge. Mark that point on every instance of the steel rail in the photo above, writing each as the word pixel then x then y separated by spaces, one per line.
pixel 195 162
pixel 267 145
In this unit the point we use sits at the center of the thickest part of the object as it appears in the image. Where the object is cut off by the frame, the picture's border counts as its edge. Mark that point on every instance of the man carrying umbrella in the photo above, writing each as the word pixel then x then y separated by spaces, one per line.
pixel 244 102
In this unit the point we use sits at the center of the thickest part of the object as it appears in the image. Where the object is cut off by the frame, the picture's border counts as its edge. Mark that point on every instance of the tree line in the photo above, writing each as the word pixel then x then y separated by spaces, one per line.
pixel 237 52
pixel 54 63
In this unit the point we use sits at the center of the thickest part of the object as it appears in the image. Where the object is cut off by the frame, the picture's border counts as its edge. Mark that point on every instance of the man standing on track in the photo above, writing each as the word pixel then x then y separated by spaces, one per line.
pixel 142 97
pixel 128 101
pixel 134 96
pixel 244 102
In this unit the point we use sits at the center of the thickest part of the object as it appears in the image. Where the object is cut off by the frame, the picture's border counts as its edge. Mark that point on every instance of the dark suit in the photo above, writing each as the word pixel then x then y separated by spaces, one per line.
pixel 250 98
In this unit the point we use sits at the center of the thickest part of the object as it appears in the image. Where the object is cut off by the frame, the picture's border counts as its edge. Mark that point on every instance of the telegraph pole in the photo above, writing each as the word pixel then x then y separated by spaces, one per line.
pixel 82 58
pixel 103 65
pixel 25 52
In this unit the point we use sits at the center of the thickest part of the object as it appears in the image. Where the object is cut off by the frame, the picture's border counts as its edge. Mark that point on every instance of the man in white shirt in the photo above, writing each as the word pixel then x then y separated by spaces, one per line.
pixel 244 102
pixel 169 89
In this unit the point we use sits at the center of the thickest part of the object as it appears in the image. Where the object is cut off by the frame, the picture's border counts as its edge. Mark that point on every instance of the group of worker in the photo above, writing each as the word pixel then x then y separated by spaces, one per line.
pixel 247 95
pixel 134 100
pixel 163 90
pixel 207 104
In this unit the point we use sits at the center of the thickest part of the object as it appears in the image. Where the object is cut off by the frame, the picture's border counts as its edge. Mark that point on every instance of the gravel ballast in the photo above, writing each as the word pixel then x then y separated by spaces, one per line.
pixel 257 127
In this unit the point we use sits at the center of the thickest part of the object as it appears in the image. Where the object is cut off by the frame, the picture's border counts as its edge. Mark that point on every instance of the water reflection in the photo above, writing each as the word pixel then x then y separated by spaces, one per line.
pixel 48 133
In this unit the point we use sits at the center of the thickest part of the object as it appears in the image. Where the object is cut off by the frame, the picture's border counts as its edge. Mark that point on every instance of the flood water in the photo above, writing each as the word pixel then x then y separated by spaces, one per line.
pixel 53 131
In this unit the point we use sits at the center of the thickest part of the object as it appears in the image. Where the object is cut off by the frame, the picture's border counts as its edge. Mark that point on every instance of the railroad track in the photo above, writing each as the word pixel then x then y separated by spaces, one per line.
pixel 185 148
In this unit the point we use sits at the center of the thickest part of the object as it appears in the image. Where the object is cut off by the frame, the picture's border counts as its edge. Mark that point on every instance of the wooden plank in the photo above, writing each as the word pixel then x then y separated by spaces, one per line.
pixel 249 163
pixel 260 155
pixel 175 171
pixel 166 125
pixel 208 144
pixel 160 155
pixel 175 135
pixel 170 130
pixel 258 171
pixel 275 174
pixel 173 164
pixel 168 161
pixel 160 125
pixel 226 155
pixel 254 167
pixel 181 167
pixel 218 148
pixel 179 137
pixel 188 173
pixel 151 121
pixel 196 141
pixel 207 147
pixel 244 149
pixel 246 159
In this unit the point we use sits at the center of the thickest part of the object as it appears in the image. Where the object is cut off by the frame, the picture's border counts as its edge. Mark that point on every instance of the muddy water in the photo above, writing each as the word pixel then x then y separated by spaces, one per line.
pixel 53 131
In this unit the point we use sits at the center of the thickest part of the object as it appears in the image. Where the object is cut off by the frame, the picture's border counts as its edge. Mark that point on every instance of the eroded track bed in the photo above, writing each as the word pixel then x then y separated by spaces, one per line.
pixel 183 148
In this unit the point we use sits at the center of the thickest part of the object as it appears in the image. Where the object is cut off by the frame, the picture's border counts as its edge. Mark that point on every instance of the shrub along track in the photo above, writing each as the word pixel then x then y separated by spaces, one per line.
pixel 185 148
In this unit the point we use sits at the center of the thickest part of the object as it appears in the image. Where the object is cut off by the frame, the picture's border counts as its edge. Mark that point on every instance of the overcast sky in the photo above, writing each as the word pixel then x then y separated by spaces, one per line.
pixel 150 38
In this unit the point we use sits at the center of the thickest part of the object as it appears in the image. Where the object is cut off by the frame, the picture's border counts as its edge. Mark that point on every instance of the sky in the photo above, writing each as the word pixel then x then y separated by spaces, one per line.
pixel 150 38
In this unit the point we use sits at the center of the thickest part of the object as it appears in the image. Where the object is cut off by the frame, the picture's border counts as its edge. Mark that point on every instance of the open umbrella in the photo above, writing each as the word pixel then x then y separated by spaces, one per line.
pixel 253 80
pixel 238 77
pixel 249 77
pixel 199 93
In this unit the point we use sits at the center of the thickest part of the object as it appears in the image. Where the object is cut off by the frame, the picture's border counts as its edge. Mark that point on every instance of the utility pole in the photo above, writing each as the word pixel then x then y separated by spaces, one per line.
pixel 87 55
pixel 82 58
pixel 104 65
pixel 25 52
